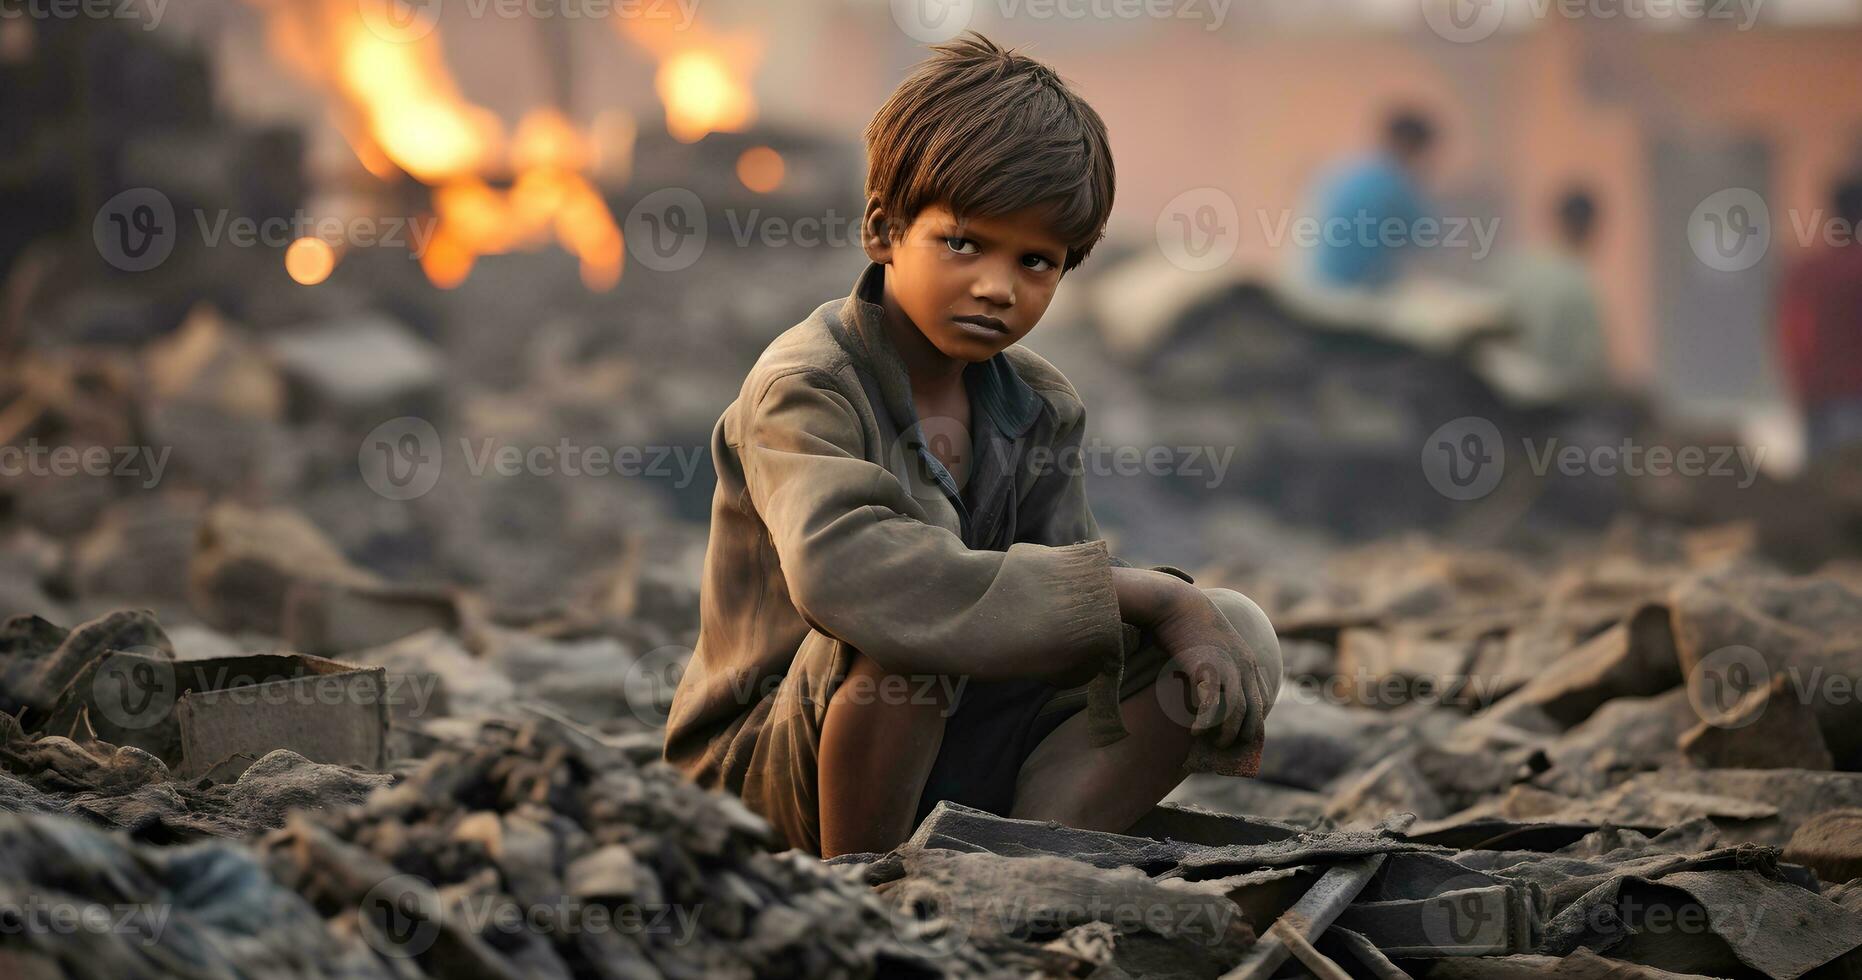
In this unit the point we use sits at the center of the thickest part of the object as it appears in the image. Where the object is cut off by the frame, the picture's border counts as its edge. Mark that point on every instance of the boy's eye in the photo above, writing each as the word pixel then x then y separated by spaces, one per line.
pixel 1044 263
pixel 956 244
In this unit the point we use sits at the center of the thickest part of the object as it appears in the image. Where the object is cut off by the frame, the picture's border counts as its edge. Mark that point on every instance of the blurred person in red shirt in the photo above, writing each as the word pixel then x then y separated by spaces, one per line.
pixel 1820 329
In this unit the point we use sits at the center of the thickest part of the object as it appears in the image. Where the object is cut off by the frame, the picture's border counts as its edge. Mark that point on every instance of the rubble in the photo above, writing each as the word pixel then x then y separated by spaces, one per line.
pixel 1581 817
pixel 369 364
pixel 125 787
pixel 524 817
pixel 1768 728
pixel 1742 920
pixel 1830 844
pixel 202 910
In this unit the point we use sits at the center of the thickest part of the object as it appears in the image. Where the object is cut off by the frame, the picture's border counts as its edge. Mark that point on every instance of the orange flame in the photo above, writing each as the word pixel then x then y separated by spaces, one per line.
pixel 703 79
pixel 400 108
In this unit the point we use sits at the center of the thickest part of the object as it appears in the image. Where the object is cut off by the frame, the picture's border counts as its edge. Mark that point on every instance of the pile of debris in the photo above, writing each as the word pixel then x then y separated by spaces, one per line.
pixel 1174 897
pixel 530 850
pixel 539 850
pixel 1635 757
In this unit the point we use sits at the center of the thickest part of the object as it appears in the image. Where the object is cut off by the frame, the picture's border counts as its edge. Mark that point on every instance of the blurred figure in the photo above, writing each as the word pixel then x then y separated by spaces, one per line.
pixel 1555 351
pixel 1820 331
pixel 1355 200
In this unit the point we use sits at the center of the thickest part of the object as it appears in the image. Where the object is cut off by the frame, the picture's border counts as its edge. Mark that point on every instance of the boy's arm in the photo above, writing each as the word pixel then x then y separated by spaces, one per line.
pixel 907 593
pixel 1162 598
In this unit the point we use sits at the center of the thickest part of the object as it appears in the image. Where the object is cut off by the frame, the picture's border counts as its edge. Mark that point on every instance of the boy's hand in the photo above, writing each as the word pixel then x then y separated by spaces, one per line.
pixel 1225 682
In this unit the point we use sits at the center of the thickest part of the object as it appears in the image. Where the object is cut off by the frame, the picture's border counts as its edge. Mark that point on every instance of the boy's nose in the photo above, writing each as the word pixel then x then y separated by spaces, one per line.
pixel 995 287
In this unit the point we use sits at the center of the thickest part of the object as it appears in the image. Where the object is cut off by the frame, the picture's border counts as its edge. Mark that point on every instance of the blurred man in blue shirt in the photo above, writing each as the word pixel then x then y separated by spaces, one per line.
pixel 1363 201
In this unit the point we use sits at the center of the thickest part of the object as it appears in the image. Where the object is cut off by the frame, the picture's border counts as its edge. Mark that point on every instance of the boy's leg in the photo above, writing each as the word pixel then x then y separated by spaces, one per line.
pixel 876 750
pixel 1069 780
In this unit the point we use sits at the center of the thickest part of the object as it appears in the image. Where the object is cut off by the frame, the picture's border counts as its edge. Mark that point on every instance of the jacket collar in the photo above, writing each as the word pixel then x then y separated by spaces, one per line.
pixel 860 327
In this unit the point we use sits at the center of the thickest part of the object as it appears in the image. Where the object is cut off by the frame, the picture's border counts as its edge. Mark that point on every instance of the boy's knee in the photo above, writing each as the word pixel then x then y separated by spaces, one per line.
pixel 1248 620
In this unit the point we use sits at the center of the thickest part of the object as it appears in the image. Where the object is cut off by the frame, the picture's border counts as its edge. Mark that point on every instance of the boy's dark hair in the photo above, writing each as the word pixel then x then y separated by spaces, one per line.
pixel 1408 131
pixel 987 130
pixel 1846 198
pixel 1577 214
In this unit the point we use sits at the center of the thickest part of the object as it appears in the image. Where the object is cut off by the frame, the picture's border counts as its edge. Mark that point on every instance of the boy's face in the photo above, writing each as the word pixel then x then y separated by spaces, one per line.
pixel 976 287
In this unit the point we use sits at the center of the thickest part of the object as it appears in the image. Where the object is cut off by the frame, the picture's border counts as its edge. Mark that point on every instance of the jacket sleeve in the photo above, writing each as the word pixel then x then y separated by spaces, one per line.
pixel 1055 512
pixel 863 569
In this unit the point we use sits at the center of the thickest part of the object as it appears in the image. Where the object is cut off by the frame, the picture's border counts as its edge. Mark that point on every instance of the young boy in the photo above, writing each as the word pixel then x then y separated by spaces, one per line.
pixel 906 597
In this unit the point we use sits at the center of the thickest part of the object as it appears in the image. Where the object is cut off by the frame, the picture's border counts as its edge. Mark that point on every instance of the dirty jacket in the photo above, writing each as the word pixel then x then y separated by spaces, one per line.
pixel 831 515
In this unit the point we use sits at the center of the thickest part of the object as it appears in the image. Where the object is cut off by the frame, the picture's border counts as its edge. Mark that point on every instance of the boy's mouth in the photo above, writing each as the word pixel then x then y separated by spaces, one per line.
pixel 986 325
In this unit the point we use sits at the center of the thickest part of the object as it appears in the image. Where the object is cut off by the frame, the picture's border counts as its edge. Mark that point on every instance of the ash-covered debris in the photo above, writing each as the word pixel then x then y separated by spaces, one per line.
pixel 83 902
pixel 125 787
pixel 1636 757
pixel 630 871
pixel 527 851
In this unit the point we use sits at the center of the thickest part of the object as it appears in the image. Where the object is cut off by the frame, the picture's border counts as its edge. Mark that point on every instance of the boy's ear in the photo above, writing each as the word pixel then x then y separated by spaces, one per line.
pixel 874 228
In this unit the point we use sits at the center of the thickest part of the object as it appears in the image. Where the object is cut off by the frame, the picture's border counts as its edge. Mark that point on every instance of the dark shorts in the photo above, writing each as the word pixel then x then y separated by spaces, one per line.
pixel 996 726
pixel 986 739
pixel 991 731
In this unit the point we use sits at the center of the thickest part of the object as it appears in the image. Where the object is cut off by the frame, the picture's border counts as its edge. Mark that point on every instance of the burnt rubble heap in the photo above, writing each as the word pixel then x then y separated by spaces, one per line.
pixel 1631 761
